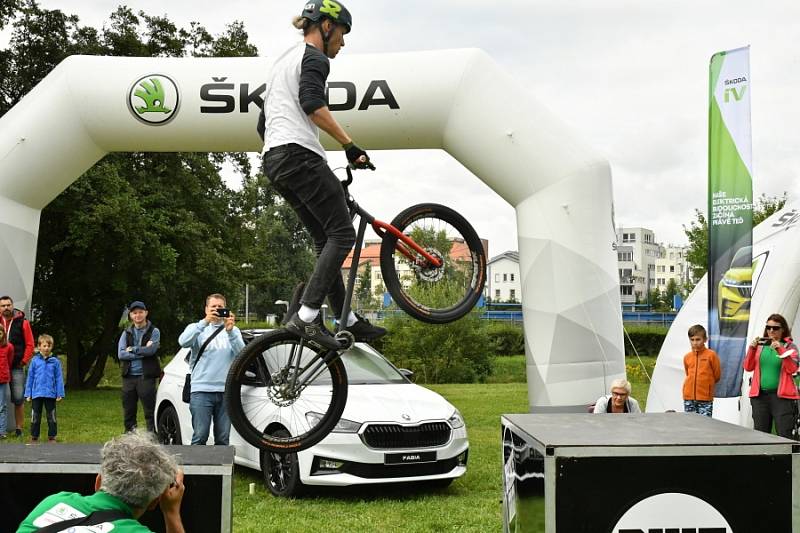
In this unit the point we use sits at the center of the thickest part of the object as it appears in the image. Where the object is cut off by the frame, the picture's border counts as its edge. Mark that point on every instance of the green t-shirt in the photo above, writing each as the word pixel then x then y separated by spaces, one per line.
pixel 68 505
pixel 770 368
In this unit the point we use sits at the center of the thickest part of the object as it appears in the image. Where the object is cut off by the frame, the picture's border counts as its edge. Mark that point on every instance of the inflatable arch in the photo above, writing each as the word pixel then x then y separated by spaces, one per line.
pixel 775 289
pixel 455 100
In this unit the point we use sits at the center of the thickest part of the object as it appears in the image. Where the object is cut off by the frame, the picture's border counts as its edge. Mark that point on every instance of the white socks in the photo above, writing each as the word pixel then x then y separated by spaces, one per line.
pixel 307 314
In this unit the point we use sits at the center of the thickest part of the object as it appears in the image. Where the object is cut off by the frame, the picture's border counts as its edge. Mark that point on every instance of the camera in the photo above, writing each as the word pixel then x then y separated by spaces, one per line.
pixel 222 312
pixel 765 341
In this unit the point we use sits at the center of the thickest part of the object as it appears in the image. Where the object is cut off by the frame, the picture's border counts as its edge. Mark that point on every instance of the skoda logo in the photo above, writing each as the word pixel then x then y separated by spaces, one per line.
pixel 406 417
pixel 154 99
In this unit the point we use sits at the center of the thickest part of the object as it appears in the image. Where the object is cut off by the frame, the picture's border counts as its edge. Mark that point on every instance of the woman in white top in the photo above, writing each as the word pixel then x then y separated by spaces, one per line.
pixel 619 401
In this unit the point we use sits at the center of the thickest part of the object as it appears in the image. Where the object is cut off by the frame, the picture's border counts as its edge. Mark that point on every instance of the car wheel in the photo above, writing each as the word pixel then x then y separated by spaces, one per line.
pixel 281 471
pixel 169 427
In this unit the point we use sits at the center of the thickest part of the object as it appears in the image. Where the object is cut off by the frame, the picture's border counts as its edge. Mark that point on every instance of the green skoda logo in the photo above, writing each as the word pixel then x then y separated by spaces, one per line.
pixel 154 99
pixel 331 8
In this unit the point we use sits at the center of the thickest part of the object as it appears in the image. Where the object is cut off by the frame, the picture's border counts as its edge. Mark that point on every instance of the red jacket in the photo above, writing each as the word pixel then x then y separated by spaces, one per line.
pixel 18 333
pixel 6 358
pixel 786 386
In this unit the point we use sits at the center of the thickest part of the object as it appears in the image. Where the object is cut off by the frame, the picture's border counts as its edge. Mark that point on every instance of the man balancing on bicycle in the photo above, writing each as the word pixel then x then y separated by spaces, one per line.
pixel 295 107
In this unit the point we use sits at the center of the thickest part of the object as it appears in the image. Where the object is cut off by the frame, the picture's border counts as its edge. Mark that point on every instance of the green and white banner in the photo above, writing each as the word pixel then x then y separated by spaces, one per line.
pixel 730 214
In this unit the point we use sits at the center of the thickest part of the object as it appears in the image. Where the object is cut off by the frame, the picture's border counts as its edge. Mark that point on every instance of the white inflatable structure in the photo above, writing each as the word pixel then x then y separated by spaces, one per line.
pixel 776 289
pixel 456 100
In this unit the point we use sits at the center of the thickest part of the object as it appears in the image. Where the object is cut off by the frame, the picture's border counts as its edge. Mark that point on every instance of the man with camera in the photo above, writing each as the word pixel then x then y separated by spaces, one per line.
pixel 214 342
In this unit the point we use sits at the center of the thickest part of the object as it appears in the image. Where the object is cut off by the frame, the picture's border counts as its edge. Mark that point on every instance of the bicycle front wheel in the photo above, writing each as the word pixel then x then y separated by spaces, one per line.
pixel 436 295
pixel 283 395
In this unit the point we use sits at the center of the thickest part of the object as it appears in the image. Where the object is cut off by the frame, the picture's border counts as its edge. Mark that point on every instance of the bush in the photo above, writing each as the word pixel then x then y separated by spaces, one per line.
pixel 646 339
pixel 457 352
pixel 505 338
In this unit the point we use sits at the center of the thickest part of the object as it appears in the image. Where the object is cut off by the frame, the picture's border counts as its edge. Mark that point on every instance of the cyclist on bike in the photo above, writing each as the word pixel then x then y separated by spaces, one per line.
pixel 295 107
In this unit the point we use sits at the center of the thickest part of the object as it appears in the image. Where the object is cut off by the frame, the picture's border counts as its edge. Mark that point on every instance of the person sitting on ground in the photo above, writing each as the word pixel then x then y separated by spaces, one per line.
pixel 619 401
pixel 136 475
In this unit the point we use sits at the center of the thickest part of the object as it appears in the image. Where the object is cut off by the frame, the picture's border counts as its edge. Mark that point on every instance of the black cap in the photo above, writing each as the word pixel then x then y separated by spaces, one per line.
pixel 137 305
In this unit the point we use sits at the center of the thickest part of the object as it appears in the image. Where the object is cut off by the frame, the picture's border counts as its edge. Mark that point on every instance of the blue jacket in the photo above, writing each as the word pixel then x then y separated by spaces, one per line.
pixel 44 378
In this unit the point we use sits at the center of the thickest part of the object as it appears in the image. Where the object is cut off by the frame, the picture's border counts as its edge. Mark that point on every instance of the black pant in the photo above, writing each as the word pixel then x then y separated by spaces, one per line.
pixel 312 189
pixel 767 407
pixel 36 417
pixel 135 388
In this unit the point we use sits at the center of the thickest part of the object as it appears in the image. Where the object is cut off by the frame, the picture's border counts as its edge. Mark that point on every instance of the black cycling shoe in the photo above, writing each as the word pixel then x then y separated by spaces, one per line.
pixel 294 301
pixel 363 331
pixel 314 332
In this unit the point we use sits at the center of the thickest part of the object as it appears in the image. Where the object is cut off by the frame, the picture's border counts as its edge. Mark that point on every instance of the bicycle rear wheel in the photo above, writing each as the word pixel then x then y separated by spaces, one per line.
pixel 279 385
pixel 436 295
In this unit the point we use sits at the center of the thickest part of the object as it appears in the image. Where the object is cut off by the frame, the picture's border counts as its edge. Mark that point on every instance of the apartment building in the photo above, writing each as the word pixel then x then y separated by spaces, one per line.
pixel 644 265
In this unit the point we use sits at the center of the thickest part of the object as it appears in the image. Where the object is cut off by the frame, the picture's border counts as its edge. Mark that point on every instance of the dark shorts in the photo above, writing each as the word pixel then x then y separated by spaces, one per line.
pixel 17 386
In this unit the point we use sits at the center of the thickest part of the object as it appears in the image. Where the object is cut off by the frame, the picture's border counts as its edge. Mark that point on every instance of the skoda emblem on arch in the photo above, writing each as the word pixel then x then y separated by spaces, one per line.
pixel 406 417
pixel 154 99
pixel 672 511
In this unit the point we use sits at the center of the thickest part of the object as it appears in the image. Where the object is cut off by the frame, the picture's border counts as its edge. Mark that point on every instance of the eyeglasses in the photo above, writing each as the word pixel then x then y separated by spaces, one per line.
pixel 619 394
pixel 772 328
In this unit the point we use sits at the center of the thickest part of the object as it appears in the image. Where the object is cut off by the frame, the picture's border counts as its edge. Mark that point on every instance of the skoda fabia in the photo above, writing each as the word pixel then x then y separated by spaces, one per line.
pixel 391 431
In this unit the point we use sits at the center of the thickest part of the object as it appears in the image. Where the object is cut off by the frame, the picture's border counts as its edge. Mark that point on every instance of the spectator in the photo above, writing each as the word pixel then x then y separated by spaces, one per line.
pixel 703 371
pixel 6 358
pixel 139 367
pixel 211 369
pixel 45 387
pixel 136 475
pixel 18 332
pixel 619 401
pixel 773 359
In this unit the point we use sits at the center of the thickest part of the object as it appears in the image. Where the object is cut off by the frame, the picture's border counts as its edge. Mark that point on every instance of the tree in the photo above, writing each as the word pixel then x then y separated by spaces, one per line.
pixel 159 227
pixel 363 290
pixel 697 232
pixel 669 294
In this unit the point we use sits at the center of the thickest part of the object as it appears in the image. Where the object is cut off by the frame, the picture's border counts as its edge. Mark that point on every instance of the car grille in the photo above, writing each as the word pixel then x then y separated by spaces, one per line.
pixel 374 471
pixel 425 435
pixel 745 291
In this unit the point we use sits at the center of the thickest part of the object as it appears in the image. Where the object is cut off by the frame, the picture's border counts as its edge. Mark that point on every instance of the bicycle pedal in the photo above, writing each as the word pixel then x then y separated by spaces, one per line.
pixel 345 339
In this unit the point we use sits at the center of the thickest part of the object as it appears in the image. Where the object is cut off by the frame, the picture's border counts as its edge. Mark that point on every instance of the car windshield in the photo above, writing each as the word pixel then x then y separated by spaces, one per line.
pixel 363 364
pixel 742 258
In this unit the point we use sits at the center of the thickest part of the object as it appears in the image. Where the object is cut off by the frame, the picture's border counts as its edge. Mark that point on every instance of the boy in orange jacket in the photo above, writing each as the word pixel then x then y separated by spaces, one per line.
pixel 702 373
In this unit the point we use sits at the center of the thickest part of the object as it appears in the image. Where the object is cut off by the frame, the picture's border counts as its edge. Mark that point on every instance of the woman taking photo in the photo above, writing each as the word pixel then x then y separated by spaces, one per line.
pixel 773 359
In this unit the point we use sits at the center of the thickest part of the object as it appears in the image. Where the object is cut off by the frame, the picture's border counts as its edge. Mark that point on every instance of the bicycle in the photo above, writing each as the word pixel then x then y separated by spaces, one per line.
pixel 284 395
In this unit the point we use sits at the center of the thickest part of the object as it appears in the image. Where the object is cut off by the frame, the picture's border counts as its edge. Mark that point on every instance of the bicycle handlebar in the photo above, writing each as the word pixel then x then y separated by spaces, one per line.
pixel 350 168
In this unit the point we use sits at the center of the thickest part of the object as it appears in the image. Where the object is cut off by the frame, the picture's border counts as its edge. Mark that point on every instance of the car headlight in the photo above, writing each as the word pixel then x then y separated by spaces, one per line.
pixel 343 426
pixel 730 282
pixel 456 420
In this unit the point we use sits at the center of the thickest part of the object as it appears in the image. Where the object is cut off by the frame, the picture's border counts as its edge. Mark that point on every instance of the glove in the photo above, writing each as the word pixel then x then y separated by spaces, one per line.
pixel 354 153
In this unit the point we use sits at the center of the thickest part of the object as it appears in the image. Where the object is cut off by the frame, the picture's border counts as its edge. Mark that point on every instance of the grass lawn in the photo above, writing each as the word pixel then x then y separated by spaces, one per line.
pixel 470 504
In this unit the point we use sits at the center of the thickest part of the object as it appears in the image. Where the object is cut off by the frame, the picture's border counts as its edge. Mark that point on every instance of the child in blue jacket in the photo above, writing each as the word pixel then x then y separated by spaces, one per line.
pixel 45 387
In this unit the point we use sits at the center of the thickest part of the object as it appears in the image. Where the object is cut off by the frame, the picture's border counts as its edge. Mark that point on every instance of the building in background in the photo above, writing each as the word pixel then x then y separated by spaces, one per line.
pixel 645 265
pixel 502 278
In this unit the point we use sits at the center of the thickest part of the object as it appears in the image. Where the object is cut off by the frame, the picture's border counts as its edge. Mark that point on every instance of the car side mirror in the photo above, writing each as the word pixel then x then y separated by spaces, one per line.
pixel 408 374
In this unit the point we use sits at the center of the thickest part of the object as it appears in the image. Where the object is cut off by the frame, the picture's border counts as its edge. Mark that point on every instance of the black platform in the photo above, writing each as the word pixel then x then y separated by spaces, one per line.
pixel 596 471
pixel 30 473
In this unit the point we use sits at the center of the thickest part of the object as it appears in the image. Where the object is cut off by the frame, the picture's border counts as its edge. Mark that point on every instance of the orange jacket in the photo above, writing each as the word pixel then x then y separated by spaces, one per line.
pixel 702 373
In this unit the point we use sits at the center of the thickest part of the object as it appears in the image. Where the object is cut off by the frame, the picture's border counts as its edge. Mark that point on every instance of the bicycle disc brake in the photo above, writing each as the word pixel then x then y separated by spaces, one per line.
pixel 428 272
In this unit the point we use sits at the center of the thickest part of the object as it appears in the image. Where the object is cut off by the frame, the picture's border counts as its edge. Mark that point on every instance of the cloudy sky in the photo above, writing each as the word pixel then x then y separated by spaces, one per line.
pixel 630 77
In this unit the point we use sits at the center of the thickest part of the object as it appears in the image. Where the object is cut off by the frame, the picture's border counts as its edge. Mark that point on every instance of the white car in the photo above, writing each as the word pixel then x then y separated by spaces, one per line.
pixel 391 431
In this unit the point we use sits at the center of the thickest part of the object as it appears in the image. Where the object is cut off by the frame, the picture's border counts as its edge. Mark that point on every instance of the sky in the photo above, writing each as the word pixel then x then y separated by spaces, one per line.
pixel 629 77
